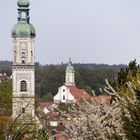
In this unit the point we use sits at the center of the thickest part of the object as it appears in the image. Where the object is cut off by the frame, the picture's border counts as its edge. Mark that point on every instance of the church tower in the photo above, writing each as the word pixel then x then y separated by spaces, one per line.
pixel 69 76
pixel 23 68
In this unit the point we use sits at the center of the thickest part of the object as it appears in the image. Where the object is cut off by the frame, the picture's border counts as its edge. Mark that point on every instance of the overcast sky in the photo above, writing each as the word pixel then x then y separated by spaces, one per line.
pixel 88 31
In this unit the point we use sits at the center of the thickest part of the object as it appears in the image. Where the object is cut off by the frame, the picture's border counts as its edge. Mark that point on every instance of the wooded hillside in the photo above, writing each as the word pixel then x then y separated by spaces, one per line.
pixel 87 76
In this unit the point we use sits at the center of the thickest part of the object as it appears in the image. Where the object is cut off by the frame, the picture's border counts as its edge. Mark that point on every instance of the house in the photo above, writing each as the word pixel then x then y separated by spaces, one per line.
pixel 69 93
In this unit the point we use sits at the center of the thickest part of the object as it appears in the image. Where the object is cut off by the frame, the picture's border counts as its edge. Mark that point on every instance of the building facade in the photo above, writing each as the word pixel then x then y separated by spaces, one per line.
pixel 23 68
pixel 69 93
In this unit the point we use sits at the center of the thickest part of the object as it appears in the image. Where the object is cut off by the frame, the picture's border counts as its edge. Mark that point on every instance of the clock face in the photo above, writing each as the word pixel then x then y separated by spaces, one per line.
pixel 23 46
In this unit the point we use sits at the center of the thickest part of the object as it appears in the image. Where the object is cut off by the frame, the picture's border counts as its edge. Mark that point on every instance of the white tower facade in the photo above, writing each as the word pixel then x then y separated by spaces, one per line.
pixel 69 75
pixel 23 68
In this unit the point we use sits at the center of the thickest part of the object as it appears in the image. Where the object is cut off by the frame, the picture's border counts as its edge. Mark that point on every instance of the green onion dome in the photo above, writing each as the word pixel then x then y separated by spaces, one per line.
pixel 23 3
pixel 23 29
pixel 70 68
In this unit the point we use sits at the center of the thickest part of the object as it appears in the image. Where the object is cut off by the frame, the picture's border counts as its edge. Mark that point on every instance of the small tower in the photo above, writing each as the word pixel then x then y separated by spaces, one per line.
pixel 23 68
pixel 69 77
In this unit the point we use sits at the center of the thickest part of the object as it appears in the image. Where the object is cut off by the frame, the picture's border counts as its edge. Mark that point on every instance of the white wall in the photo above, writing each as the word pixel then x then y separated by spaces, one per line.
pixel 63 95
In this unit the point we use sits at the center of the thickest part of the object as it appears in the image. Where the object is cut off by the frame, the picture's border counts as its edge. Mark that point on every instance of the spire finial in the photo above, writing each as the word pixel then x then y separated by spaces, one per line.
pixel 70 62
pixel 23 28
pixel 23 10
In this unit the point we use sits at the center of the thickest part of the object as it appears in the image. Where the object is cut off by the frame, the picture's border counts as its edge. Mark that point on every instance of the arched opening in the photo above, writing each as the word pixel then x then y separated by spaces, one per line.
pixel 23 86
pixel 23 110
pixel 32 56
pixel 15 56
pixel 23 53
pixel 23 60
pixel 23 15
pixel 31 53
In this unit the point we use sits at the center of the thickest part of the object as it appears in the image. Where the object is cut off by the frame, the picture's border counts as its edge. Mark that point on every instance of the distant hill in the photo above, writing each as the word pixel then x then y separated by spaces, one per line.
pixel 5 67
pixel 88 76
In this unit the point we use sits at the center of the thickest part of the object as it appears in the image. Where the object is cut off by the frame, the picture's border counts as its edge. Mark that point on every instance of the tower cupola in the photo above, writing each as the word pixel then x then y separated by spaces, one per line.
pixel 69 77
pixel 23 28
pixel 70 68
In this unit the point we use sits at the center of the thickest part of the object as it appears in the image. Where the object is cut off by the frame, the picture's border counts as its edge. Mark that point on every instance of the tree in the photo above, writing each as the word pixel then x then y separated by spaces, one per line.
pixel 5 97
pixel 93 119
pixel 26 128
pixel 127 74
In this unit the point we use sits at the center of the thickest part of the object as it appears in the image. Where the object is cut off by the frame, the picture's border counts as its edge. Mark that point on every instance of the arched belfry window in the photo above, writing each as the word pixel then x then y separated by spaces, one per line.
pixel 23 86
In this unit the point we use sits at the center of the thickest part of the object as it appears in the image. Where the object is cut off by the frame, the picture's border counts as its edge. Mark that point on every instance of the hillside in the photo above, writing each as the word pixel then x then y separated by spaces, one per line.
pixel 50 77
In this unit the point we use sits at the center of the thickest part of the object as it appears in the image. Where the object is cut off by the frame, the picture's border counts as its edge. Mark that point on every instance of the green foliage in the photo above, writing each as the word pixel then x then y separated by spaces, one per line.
pixel 128 74
pixel 3 126
pixel 46 98
pixel 131 124
pixel 131 120
pixel 64 107
pixel 5 97
pixel 42 134
pixel 48 79
pixel 128 86
pixel 88 76
pixel 5 67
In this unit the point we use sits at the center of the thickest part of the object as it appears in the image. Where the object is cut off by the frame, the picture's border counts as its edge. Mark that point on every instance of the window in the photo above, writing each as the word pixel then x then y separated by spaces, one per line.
pixel 23 86
pixel 31 53
pixel 31 56
pixel 15 56
pixel 23 110
pixel 23 15
pixel 23 53
pixel 63 97
pixel 23 60
pixel 63 90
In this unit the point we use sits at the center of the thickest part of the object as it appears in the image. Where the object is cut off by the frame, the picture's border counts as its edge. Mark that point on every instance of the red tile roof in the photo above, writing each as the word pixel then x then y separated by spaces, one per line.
pixel 77 93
